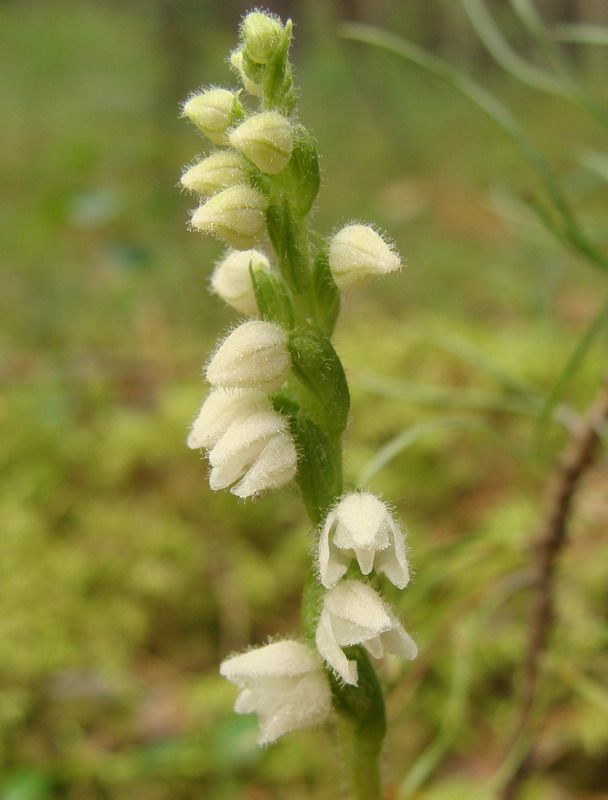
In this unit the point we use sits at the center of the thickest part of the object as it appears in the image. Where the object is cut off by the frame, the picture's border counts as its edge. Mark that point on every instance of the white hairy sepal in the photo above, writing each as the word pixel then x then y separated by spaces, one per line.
pixel 357 253
pixel 353 613
pixel 361 526
pixel 261 34
pixel 236 215
pixel 266 139
pixel 213 112
pixel 220 170
pixel 284 684
pixel 220 410
pixel 259 447
pixel 253 356
pixel 231 279
pixel 236 61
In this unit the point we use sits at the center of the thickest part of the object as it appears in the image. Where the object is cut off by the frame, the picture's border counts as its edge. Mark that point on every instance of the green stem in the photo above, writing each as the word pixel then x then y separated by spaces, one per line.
pixel 361 758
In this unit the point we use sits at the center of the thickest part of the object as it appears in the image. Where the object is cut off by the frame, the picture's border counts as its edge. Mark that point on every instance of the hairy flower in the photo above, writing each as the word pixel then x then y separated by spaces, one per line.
pixel 283 683
pixel 361 526
pixel 261 35
pixel 236 215
pixel 231 279
pixel 253 356
pixel 353 613
pixel 213 112
pixel 258 447
pixel 236 62
pixel 357 254
pixel 220 410
pixel 266 139
pixel 220 170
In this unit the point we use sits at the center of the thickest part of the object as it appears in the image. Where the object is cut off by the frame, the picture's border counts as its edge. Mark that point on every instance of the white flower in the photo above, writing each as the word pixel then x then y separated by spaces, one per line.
pixel 231 279
pixel 266 139
pixel 261 34
pixel 259 447
pixel 357 254
pixel 220 170
pixel 284 684
pixel 236 215
pixel 353 613
pixel 213 112
pixel 361 526
pixel 220 410
pixel 236 61
pixel 253 356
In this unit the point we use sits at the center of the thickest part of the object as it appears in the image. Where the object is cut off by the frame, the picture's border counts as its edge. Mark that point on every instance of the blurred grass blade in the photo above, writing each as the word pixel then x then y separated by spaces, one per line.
pixel 407 438
pixel 441 397
pixel 505 56
pixel 501 115
pixel 533 22
pixel 571 367
pixel 582 33
pixel 595 162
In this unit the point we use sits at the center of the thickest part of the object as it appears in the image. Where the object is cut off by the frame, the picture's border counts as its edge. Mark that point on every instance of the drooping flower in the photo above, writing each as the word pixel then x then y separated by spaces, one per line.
pixel 253 356
pixel 266 139
pixel 361 526
pixel 236 215
pixel 357 254
pixel 284 684
pixel 220 410
pixel 213 112
pixel 258 447
pixel 353 613
pixel 231 279
pixel 220 170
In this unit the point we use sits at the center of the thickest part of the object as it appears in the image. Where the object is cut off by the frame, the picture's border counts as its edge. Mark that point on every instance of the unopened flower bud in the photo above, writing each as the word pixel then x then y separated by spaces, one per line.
pixel 236 215
pixel 361 526
pixel 220 410
pixel 266 139
pixel 353 613
pixel 253 356
pixel 231 279
pixel 261 34
pixel 258 447
pixel 236 61
pixel 213 112
pixel 284 684
pixel 357 254
pixel 220 170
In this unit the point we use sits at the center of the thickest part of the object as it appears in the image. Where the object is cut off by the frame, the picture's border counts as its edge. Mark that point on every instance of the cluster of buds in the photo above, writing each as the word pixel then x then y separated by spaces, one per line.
pixel 279 402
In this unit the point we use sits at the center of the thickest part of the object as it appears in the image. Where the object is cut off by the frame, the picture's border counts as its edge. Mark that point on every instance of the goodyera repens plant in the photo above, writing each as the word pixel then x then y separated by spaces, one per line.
pixel 279 402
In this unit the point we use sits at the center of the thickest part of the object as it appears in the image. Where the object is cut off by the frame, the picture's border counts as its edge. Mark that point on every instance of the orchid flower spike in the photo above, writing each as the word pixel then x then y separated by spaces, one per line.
pixel 353 613
pixel 361 526
pixel 284 684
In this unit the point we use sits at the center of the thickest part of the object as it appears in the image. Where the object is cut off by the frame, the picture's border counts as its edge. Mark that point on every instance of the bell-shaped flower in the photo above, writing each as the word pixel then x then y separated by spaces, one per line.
pixel 258 447
pixel 284 684
pixel 261 33
pixel 220 170
pixel 353 613
pixel 357 254
pixel 266 139
pixel 231 279
pixel 253 356
pixel 236 215
pixel 220 410
pixel 213 112
pixel 361 526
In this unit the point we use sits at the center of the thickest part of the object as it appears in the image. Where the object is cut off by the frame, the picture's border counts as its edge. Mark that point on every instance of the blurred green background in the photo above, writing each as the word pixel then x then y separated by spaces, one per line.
pixel 123 579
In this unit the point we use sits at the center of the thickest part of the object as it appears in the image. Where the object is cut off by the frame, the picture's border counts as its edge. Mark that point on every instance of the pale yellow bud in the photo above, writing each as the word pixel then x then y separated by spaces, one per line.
pixel 213 112
pixel 266 139
pixel 222 169
pixel 232 279
pixel 261 34
pixel 357 254
pixel 236 215
pixel 253 356
pixel 236 60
